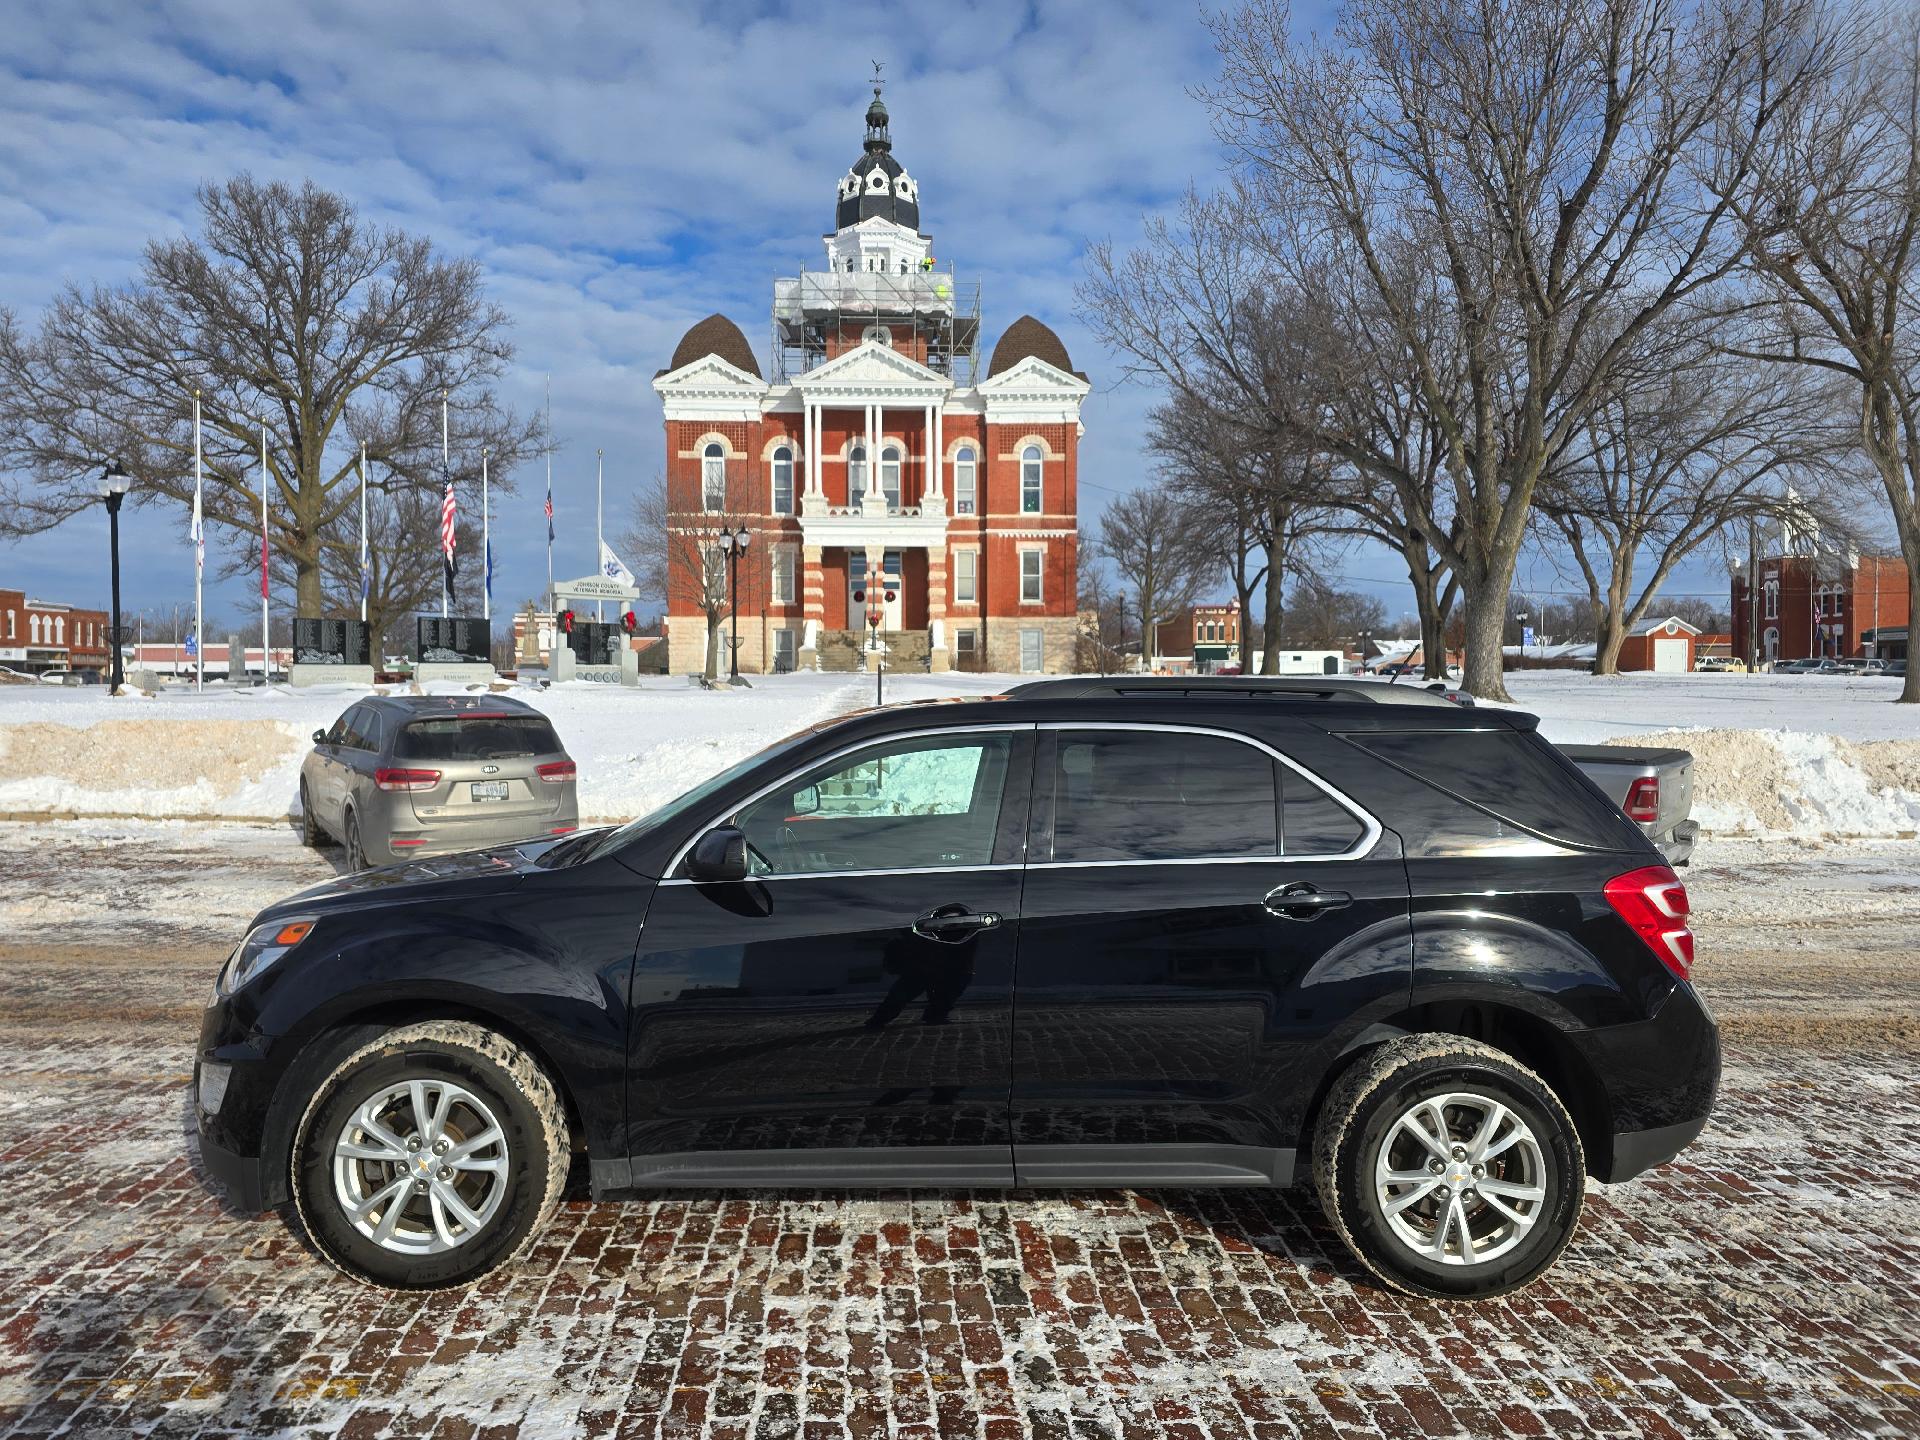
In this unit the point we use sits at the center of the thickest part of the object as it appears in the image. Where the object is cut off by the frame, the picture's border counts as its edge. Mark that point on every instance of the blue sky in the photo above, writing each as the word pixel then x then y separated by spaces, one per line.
pixel 618 171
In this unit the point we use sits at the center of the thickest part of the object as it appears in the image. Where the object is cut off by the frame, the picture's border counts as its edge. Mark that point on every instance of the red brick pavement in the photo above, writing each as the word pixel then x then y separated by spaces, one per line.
pixel 1767 1287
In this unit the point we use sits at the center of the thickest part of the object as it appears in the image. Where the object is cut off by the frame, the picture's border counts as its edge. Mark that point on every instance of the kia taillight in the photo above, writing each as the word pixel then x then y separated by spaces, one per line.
pixel 1654 903
pixel 1643 800
pixel 406 779
pixel 555 772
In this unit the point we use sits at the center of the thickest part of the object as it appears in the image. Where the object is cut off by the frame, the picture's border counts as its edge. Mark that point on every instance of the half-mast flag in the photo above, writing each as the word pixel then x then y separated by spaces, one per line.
pixel 489 570
pixel 549 510
pixel 612 566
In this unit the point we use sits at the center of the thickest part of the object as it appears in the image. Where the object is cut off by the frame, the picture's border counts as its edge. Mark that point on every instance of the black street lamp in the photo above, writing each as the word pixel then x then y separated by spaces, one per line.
pixel 736 542
pixel 113 489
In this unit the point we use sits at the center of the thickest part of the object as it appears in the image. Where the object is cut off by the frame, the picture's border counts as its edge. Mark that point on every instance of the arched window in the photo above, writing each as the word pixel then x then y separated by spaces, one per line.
pixel 33 625
pixel 713 476
pixel 856 472
pixel 60 630
pixel 783 481
pixel 1030 461
pixel 890 476
pixel 964 484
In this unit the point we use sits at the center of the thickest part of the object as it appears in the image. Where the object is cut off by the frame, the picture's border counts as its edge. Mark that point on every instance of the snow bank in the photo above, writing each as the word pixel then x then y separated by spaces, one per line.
pixel 151 766
pixel 1788 782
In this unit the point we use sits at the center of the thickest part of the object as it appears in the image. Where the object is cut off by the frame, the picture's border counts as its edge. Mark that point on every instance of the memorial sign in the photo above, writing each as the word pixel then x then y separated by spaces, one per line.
pixel 456 640
pixel 593 643
pixel 318 641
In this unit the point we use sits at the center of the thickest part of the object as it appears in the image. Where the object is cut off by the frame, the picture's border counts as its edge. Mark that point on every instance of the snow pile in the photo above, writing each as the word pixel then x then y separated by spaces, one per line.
pixel 151 766
pixel 1790 782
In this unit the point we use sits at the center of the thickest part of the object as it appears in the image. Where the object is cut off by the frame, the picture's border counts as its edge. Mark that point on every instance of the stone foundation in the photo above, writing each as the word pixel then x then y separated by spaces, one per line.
pixel 1059 645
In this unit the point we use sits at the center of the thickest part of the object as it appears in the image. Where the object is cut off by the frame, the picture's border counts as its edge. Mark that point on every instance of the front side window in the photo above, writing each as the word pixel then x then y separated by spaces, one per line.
pixel 1161 795
pixel 931 803
pixel 890 476
pixel 1030 480
pixel 966 584
pixel 713 477
pixel 964 482
pixel 1030 572
pixel 783 481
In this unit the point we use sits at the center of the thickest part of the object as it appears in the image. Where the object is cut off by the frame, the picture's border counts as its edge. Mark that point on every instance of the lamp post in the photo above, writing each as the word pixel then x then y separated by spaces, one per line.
pixel 113 490
pixel 736 542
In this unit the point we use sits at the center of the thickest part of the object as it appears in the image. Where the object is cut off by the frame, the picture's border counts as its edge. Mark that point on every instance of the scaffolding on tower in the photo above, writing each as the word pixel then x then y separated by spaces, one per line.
pixel 819 314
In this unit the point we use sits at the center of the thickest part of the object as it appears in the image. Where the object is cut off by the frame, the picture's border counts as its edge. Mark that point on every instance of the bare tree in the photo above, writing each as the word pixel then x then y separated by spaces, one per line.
pixel 1687 443
pixel 680 560
pixel 1150 536
pixel 1323 616
pixel 1539 154
pixel 1106 628
pixel 287 311
pixel 1830 212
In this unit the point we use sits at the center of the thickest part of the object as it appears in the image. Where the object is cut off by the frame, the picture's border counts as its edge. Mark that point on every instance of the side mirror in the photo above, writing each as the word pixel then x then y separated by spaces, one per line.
pixel 319 737
pixel 719 856
pixel 807 801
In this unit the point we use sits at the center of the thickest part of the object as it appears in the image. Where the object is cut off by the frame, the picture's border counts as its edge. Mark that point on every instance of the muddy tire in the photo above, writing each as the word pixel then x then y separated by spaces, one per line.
pixel 356 852
pixel 430 1157
pixel 311 835
pixel 1449 1169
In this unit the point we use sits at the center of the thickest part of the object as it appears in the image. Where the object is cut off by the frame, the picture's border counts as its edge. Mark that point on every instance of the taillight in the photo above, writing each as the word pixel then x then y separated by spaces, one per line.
pixel 406 779
pixel 1654 903
pixel 1643 800
pixel 555 772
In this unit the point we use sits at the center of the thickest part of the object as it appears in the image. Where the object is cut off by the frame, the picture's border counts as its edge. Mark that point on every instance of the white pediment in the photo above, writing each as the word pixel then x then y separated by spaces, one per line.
pixel 709 375
pixel 1034 378
pixel 875 370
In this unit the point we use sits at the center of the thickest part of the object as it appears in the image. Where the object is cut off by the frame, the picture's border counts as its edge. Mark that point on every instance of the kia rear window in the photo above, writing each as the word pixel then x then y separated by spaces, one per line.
pixel 1512 775
pixel 477 737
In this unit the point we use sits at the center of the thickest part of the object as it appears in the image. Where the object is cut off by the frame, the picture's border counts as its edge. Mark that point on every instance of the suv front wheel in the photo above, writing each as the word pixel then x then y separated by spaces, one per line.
pixel 430 1156
pixel 1450 1169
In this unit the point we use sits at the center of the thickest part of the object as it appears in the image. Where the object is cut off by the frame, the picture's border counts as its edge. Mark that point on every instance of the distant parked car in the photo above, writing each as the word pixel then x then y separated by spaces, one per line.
pixel 59 675
pixel 1896 669
pixel 1719 665
pixel 1795 667
pixel 1861 666
pixel 400 776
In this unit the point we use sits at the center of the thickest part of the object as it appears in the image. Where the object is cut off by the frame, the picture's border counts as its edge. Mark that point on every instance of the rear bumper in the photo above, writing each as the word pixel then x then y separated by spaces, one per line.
pixel 1637 1151
pixel 1677 844
pixel 456 837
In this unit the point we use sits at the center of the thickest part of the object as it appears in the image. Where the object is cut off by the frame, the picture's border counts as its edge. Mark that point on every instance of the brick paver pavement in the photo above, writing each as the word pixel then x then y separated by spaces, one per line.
pixel 1766 1286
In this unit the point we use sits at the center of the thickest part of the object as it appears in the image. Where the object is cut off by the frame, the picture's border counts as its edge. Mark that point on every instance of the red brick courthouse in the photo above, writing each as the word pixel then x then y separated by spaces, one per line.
pixel 877 448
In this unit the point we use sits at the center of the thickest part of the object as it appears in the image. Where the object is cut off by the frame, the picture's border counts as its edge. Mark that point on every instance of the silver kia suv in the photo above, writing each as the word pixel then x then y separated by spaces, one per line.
pixel 400 776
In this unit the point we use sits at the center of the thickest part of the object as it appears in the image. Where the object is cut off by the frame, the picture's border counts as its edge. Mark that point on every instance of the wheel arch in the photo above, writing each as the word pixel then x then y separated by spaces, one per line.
pixel 345 1033
pixel 1529 1038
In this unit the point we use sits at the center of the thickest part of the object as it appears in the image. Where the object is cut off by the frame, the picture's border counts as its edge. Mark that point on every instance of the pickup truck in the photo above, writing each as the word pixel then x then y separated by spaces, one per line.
pixel 1653 785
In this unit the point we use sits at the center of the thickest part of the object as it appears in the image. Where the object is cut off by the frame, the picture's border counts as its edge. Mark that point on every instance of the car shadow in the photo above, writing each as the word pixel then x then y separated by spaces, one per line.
pixel 330 850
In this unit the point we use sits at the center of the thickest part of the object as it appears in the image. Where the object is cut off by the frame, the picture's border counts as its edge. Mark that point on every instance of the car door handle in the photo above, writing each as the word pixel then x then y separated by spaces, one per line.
pixel 1303 902
pixel 954 923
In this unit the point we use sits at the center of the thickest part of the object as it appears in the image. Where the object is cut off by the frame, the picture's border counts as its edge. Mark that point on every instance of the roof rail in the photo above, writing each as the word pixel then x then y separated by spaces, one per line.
pixel 1248 687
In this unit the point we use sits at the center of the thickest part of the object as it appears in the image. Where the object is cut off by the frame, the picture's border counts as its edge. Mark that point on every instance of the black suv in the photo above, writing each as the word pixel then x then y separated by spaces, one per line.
pixel 1091 933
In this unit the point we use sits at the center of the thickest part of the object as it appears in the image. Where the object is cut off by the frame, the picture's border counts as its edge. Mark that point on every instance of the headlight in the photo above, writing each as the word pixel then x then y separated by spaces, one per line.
pixel 264 945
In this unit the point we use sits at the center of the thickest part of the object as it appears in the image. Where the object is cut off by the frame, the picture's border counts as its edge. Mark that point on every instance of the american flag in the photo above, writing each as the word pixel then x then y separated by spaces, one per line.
pixel 446 531
pixel 549 511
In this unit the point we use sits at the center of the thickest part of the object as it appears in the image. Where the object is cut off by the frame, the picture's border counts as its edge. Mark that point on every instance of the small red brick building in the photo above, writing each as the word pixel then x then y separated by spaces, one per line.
pixel 37 635
pixel 1198 640
pixel 1813 606
pixel 876 452
pixel 1666 645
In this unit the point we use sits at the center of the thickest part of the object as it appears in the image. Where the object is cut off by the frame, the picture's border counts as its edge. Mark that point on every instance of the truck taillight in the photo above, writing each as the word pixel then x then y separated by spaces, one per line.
pixel 555 772
pixel 406 779
pixel 1654 902
pixel 1643 800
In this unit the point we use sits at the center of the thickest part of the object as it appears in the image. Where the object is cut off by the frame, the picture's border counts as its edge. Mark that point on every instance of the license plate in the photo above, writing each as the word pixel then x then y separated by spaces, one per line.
pixel 489 789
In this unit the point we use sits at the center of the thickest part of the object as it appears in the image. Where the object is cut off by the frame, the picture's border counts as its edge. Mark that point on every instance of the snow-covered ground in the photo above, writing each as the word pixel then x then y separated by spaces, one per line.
pixel 1776 754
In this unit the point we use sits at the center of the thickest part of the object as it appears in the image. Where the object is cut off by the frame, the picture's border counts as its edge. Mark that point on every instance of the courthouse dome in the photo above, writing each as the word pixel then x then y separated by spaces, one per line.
pixel 716 335
pixel 1027 336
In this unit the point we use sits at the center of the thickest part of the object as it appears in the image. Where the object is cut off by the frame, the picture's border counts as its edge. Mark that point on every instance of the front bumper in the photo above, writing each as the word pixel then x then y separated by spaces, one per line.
pixel 237 1174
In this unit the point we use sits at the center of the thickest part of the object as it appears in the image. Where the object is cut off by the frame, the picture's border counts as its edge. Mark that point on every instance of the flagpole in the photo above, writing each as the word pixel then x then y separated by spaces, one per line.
pixel 363 532
pixel 549 492
pixel 266 644
pixel 599 505
pixel 446 470
pixel 199 562
pixel 486 545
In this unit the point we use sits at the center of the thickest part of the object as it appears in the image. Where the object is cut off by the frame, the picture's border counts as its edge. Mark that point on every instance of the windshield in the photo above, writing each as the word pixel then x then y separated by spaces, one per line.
pixel 692 800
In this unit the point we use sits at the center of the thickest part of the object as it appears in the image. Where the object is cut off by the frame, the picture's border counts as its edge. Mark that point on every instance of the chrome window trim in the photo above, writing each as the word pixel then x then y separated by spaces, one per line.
pixel 864 874
pixel 929 733
pixel 1373 829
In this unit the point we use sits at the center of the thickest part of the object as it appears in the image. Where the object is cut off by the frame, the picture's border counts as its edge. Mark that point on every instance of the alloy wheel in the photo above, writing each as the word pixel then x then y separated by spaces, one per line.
pixel 420 1167
pixel 1460 1179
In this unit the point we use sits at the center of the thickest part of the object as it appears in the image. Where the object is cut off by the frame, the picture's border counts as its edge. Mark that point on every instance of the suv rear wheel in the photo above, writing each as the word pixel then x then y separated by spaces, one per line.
pixel 1450 1169
pixel 430 1157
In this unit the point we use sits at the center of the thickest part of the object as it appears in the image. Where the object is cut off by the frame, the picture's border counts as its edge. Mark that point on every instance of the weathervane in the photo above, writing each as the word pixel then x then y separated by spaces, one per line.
pixel 878 66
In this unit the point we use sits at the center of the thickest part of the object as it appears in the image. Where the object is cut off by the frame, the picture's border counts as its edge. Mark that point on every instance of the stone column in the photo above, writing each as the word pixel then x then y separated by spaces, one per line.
pixel 876 427
pixel 937 607
pixel 938 481
pixel 813 607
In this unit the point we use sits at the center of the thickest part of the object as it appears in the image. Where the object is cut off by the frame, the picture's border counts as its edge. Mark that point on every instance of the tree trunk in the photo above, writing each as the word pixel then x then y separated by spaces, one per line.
pixel 1274 613
pixel 1910 692
pixel 308 597
pixel 1428 607
pixel 1607 640
pixel 1149 646
pixel 1486 629
pixel 713 645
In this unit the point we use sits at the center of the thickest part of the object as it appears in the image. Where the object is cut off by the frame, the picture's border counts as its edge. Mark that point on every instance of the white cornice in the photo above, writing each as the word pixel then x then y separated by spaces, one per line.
pixel 710 389
pixel 872 371
pixel 1033 392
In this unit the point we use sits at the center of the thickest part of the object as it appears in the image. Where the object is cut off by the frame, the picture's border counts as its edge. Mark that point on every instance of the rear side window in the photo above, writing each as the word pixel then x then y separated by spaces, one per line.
pixel 1157 795
pixel 477 737
pixel 1311 821
pixel 1511 775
